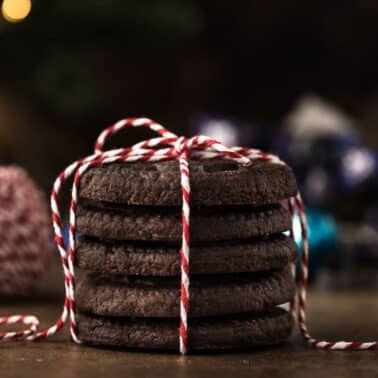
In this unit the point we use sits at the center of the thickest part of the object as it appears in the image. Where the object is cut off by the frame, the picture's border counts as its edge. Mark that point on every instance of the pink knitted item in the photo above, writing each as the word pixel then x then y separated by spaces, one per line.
pixel 25 233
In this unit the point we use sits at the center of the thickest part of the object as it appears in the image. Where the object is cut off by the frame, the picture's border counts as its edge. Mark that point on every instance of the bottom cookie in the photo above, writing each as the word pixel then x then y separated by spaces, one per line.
pixel 211 334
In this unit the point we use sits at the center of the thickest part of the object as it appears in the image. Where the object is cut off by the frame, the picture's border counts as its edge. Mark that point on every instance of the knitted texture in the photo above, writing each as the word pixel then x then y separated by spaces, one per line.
pixel 25 233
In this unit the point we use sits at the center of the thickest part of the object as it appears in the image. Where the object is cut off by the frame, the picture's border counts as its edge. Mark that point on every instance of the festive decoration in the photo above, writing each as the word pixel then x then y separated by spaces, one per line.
pixel 323 145
pixel 233 131
pixel 225 130
pixel 167 146
pixel 323 237
pixel 25 236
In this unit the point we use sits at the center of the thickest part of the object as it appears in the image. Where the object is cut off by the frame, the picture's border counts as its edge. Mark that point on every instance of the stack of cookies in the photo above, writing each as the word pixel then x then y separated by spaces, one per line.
pixel 129 222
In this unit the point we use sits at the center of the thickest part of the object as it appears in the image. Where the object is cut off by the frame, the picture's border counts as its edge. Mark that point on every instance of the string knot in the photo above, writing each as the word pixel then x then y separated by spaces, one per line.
pixel 182 148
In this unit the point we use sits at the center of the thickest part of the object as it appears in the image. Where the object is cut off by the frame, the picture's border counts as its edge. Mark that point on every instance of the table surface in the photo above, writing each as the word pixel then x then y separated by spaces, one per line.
pixel 331 315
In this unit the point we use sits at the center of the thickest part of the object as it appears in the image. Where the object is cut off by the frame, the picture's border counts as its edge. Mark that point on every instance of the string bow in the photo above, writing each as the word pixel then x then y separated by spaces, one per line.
pixel 167 146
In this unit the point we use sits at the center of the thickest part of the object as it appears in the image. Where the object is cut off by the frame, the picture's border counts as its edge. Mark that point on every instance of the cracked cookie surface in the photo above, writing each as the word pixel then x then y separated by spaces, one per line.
pixel 164 224
pixel 160 297
pixel 213 183
pixel 163 259
pixel 238 332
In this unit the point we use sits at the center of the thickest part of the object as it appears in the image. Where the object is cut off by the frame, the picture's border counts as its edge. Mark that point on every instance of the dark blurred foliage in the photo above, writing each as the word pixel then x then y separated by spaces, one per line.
pixel 72 68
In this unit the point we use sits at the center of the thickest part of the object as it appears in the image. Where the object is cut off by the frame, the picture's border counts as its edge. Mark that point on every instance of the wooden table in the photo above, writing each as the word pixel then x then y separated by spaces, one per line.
pixel 333 315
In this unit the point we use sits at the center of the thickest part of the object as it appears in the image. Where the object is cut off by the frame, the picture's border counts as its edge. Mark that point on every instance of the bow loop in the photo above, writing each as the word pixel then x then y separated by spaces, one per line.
pixel 133 122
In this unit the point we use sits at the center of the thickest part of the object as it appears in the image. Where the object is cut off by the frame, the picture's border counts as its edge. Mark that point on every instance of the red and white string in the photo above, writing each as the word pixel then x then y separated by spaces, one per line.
pixel 167 146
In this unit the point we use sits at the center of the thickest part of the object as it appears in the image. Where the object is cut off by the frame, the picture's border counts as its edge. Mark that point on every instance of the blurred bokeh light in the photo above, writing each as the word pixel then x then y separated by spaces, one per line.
pixel 15 10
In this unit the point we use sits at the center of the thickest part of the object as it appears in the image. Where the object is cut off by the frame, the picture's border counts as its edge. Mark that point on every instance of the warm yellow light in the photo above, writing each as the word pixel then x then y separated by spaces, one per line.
pixel 16 10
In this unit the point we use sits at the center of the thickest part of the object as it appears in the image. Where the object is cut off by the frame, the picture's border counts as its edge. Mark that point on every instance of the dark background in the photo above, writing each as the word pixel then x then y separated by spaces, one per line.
pixel 72 68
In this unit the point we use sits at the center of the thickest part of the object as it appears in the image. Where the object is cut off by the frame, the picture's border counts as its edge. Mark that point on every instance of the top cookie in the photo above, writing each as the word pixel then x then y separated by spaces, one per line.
pixel 213 182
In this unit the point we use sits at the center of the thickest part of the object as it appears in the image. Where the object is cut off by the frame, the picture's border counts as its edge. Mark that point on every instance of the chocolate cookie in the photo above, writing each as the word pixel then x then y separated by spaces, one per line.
pixel 164 224
pixel 213 182
pixel 160 259
pixel 225 333
pixel 209 295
